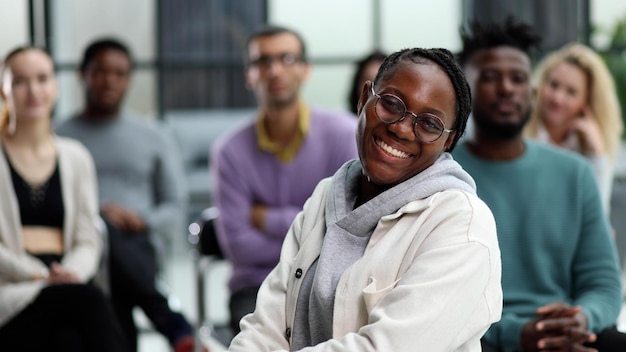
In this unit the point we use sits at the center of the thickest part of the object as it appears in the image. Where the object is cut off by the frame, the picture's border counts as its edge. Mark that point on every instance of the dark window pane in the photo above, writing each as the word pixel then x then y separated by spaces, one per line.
pixel 201 46
pixel 204 87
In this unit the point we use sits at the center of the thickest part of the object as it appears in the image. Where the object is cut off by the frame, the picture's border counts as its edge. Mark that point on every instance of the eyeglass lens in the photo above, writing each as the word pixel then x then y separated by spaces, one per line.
pixel 391 109
pixel 286 59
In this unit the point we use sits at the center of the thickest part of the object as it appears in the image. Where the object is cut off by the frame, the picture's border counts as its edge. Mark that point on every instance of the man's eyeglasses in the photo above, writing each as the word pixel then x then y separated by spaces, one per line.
pixel 390 109
pixel 286 59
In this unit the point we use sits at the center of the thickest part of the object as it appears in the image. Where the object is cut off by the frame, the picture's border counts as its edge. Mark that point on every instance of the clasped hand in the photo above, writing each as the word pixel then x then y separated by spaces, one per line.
pixel 60 275
pixel 559 327
pixel 124 219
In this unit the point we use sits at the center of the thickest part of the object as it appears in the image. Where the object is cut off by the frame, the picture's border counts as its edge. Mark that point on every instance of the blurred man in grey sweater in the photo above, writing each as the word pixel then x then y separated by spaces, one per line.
pixel 140 190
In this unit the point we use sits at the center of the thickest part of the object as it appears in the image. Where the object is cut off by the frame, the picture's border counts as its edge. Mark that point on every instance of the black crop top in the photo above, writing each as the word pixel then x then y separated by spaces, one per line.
pixel 41 205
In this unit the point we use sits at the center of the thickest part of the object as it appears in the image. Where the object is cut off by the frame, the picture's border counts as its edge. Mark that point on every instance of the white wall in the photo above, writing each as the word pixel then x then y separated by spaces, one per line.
pixel 13 25
pixel 77 23
pixel 604 15
pixel 333 28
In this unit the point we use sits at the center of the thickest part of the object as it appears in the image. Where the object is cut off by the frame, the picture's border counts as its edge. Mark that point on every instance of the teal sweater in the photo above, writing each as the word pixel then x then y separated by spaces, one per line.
pixel 554 237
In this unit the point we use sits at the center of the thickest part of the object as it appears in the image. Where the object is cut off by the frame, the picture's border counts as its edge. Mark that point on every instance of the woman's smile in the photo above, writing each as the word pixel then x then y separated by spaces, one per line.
pixel 389 150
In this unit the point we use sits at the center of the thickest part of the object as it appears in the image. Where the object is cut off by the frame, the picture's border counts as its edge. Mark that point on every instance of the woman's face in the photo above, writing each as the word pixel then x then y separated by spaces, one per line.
pixel 391 153
pixel 34 88
pixel 564 94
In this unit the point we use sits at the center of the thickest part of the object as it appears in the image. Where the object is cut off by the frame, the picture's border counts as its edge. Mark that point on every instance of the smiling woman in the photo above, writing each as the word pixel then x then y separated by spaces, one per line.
pixel 395 250
pixel 578 109
pixel 409 145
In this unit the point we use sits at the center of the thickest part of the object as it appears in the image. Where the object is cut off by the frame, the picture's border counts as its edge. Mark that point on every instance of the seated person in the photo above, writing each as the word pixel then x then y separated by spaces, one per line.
pixel 50 243
pixel 140 190
pixel 560 275
pixel 395 252
pixel 577 109
pixel 265 170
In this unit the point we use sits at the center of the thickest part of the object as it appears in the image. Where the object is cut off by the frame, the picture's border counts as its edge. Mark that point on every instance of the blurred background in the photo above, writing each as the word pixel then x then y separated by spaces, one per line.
pixel 188 53
pixel 189 69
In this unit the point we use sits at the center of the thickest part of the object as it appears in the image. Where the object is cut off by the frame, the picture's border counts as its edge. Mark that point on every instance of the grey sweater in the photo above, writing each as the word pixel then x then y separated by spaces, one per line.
pixel 137 168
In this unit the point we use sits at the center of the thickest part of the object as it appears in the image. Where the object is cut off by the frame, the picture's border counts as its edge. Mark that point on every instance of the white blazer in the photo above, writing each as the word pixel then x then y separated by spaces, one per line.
pixel 429 280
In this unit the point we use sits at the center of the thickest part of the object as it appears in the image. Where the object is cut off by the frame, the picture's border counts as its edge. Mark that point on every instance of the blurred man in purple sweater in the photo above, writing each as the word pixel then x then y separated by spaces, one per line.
pixel 265 170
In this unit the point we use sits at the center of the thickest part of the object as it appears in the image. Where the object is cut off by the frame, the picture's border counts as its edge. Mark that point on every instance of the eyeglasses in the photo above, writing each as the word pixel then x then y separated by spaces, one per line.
pixel 286 59
pixel 390 109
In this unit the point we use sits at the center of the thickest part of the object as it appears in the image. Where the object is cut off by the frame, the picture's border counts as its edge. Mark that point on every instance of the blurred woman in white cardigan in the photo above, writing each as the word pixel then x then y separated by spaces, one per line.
pixel 50 245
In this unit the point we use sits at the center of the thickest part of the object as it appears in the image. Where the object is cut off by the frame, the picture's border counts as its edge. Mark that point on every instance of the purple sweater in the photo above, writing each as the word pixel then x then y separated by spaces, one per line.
pixel 244 175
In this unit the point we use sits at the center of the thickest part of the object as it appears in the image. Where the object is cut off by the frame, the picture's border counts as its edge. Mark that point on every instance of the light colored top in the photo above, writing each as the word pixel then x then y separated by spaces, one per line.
pixel 82 239
pixel 603 168
pixel 429 279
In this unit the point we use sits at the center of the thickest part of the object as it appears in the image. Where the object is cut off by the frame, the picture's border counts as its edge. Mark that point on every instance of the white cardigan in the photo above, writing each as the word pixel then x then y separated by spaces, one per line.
pixel 429 280
pixel 82 240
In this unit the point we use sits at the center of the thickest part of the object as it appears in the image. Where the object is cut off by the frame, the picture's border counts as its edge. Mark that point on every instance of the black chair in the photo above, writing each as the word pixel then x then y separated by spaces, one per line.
pixel 207 252
pixel 202 234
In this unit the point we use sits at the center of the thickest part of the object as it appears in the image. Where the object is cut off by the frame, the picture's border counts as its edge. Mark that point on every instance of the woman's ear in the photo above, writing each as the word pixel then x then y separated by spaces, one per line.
pixel 449 141
pixel 365 91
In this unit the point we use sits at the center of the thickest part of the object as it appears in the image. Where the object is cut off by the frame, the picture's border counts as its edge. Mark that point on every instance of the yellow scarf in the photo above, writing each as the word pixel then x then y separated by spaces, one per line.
pixel 284 153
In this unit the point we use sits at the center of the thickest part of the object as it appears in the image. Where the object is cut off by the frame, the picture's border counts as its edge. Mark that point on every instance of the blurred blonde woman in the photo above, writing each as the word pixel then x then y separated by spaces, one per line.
pixel 50 245
pixel 577 109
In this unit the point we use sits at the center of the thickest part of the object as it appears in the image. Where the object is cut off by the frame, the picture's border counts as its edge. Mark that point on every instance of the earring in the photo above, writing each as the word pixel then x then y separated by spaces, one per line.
pixel 12 123
pixel 7 78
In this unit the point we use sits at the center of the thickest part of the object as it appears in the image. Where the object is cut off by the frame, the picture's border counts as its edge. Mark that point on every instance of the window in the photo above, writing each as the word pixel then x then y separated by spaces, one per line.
pixel 201 46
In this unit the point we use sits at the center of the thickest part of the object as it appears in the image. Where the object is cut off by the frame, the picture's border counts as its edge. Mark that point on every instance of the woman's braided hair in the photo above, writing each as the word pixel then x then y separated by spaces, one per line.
pixel 444 59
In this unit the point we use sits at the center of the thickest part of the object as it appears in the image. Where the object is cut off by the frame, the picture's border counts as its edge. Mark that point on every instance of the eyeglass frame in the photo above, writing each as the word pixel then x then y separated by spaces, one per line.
pixel 406 111
pixel 285 59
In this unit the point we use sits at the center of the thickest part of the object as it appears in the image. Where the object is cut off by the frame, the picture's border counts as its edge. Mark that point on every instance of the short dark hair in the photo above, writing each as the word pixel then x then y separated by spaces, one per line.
pixel 508 33
pixel 103 44
pixel 444 59
pixel 271 30
pixel 355 89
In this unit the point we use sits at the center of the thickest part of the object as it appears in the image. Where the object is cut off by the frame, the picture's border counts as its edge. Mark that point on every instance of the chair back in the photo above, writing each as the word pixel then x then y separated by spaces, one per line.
pixel 203 235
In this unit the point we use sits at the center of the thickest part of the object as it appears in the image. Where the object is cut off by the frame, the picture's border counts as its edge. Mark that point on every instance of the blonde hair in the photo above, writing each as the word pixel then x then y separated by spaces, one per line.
pixel 602 96
pixel 4 117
